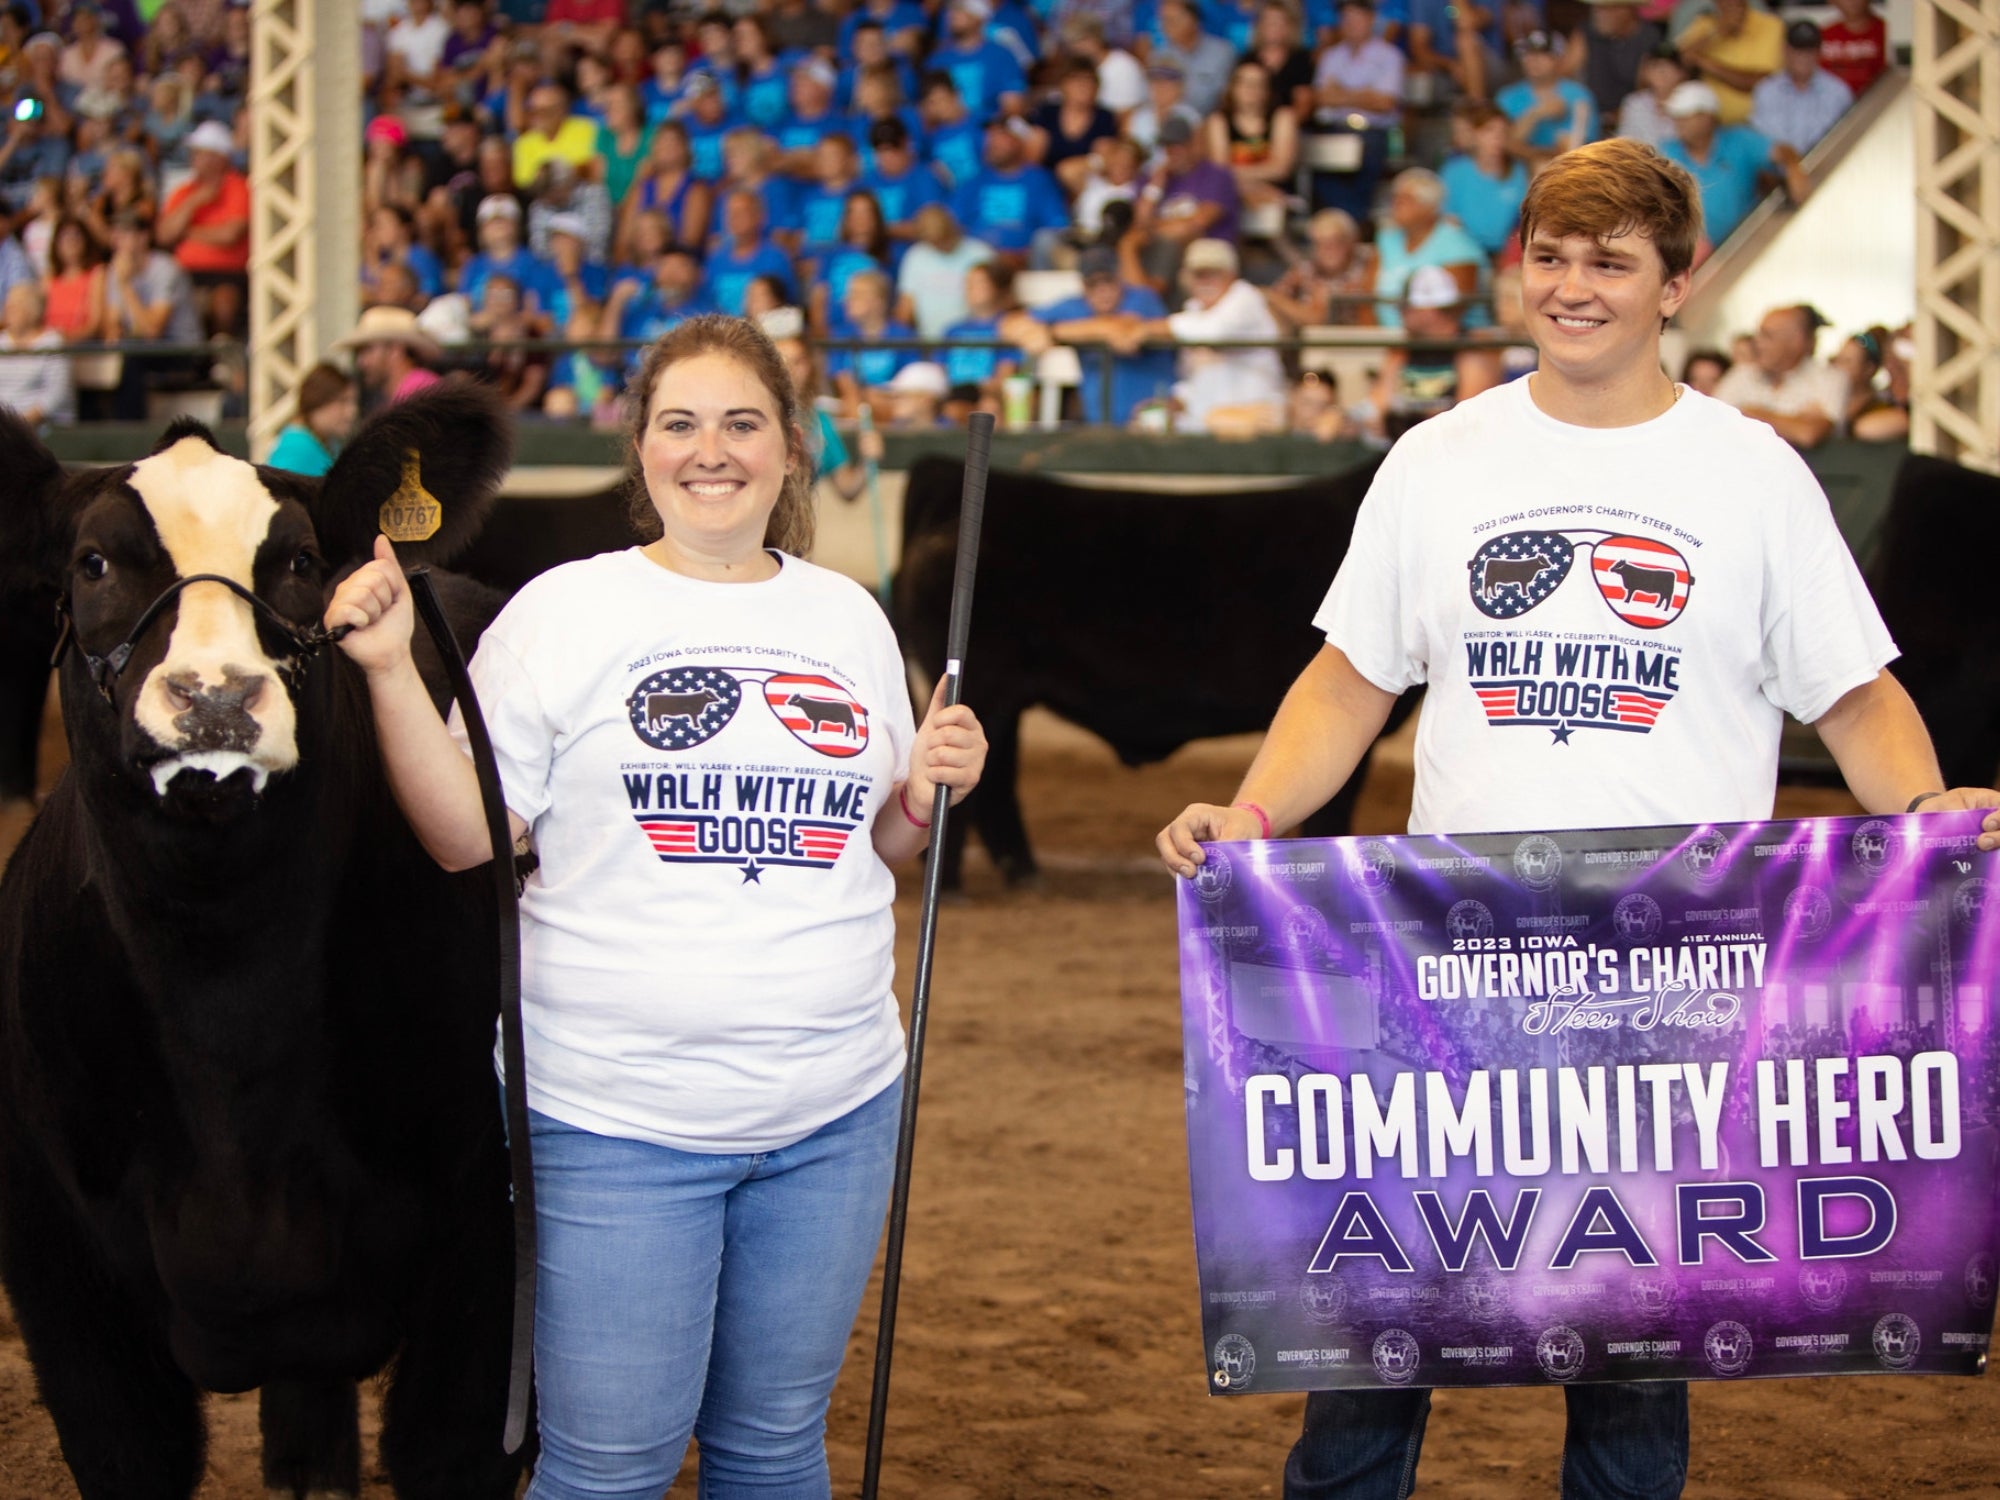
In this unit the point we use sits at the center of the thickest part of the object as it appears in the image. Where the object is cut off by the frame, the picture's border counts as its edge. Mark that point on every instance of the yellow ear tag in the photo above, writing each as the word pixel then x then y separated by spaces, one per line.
pixel 412 514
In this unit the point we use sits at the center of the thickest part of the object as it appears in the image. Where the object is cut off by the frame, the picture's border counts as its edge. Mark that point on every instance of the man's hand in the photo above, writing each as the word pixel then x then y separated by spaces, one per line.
pixel 1966 799
pixel 1201 823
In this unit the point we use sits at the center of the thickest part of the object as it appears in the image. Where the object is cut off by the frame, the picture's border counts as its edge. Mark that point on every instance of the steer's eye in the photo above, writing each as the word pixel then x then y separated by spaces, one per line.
pixel 92 565
pixel 304 563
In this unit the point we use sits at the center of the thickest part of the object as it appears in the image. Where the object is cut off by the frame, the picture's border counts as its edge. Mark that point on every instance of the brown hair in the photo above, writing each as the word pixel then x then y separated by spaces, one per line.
pixel 324 384
pixel 790 528
pixel 1616 187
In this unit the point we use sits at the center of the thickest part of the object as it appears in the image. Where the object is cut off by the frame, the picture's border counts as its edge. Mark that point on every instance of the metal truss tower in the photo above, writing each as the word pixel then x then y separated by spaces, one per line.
pixel 305 195
pixel 1955 383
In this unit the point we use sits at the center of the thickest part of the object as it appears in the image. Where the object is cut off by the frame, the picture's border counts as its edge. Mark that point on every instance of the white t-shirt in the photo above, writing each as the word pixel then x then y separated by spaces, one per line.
pixel 1121 82
pixel 1610 619
pixel 420 44
pixel 1808 386
pixel 707 945
pixel 1227 377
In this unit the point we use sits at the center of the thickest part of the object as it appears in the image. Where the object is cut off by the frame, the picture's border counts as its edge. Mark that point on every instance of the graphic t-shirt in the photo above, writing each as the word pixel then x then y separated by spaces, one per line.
pixel 706 948
pixel 1612 621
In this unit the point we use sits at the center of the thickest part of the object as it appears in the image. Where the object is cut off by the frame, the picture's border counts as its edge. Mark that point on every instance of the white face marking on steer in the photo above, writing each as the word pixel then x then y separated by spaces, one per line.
pixel 211 513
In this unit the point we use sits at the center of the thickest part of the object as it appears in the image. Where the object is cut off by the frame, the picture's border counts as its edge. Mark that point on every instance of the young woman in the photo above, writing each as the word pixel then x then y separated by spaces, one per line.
pixel 76 282
pixel 327 407
pixel 623 141
pixel 714 1056
pixel 1255 135
pixel 666 184
pixel 864 246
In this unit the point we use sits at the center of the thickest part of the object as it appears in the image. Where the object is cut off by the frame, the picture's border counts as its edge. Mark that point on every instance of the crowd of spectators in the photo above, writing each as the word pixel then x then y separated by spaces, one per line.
pixel 581 173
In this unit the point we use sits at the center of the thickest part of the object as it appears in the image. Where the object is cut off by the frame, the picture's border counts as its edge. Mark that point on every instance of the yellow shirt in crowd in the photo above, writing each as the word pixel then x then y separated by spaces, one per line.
pixel 1758 48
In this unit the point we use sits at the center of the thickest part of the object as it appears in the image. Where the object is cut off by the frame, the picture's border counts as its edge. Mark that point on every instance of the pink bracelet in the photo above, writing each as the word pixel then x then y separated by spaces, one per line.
pixel 903 798
pixel 1263 818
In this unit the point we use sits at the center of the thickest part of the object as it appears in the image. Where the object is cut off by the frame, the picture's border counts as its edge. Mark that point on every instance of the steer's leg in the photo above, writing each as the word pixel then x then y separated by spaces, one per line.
pixel 445 1412
pixel 128 1419
pixel 996 806
pixel 312 1439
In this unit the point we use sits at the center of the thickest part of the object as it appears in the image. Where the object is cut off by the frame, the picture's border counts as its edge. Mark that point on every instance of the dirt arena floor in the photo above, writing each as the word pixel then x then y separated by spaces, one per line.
pixel 1050 1344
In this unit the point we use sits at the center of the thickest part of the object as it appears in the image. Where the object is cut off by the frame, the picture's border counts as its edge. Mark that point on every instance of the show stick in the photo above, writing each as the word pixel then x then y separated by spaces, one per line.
pixel 972 507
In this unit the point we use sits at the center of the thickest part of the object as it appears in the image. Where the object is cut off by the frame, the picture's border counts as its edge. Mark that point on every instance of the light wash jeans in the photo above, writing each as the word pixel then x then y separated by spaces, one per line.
pixel 708 1295
pixel 1625 1442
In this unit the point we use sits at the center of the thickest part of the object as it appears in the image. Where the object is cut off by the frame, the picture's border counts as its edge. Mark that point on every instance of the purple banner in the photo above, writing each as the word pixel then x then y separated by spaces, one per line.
pixel 1619 1104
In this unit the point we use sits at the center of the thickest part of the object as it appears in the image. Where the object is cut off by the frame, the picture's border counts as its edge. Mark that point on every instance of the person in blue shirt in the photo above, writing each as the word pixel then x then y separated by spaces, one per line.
pixel 749 157
pixel 902 185
pixel 975 374
pixel 1551 114
pixel 661 92
pixel 715 47
pixel 812 116
pixel 745 252
pixel 860 369
pixel 1484 184
pixel 1008 25
pixel 1728 162
pixel 501 253
pixel 820 204
pixel 988 76
pixel 327 405
pixel 763 92
pixel 957 142
pixel 1013 205
pixel 707 121
pixel 871 49
pixel 1107 303
pixel 864 245
pixel 650 308
pixel 878 97
pixel 903 24
pixel 1415 233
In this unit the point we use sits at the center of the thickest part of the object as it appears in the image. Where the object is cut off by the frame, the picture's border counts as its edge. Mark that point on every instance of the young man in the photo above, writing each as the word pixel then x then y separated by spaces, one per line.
pixel 1599 444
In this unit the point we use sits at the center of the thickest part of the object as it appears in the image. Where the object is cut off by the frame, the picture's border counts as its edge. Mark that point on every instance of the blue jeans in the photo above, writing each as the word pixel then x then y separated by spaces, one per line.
pixel 1625 1442
pixel 685 1294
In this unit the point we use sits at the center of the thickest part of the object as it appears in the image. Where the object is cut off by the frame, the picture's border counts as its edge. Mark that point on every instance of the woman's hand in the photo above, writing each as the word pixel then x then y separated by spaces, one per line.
pixel 374 601
pixel 950 751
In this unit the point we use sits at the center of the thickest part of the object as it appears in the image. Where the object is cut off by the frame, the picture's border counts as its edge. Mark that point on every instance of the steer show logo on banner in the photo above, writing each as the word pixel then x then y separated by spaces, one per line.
pixel 1550 1108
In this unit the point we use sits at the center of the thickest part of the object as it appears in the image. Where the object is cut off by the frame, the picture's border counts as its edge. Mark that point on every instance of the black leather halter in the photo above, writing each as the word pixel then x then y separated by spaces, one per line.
pixel 307 640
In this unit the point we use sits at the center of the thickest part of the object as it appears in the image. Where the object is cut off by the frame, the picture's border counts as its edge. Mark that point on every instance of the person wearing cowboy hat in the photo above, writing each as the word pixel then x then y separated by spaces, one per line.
pixel 392 354
pixel 206 224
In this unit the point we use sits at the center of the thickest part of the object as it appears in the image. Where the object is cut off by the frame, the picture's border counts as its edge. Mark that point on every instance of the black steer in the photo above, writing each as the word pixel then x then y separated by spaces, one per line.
pixel 249 1132
pixel 1149 619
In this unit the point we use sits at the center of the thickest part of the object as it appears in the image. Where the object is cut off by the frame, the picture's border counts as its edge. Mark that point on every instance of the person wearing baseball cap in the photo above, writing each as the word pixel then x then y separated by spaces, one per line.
pixel 1413 384
pixel 1230 390
pixel 1113 301
pixel 1550 113
pixel 503 253
pixel 206 224
pixel 1799 103
pixel 1726 161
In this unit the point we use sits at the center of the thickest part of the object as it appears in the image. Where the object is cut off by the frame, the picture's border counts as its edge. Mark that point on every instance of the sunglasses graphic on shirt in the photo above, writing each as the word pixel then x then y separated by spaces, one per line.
pixel 1644 582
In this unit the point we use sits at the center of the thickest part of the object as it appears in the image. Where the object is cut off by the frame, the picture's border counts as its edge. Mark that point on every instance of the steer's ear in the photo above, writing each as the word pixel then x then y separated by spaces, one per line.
pixel 424 471
pixel 35 519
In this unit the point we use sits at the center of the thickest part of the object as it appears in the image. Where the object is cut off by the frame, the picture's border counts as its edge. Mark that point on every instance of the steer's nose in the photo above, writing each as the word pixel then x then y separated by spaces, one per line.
pixel 216 717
